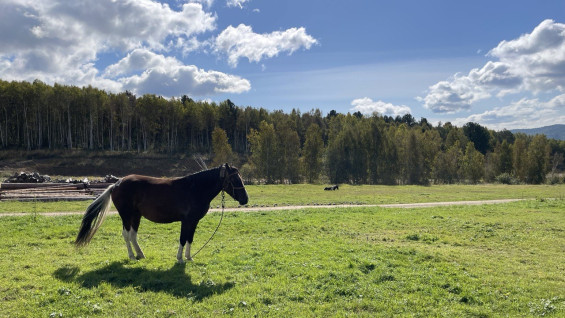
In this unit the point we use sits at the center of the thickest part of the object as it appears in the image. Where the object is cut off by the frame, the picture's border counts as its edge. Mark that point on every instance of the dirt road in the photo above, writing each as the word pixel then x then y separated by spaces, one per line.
pixel 298 207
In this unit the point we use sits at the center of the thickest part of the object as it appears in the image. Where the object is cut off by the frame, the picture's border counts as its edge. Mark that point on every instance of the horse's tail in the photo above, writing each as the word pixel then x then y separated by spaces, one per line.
pixel 95 213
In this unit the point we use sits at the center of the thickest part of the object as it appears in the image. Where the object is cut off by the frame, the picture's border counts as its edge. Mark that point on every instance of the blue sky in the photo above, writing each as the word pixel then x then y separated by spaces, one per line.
pixel 498 63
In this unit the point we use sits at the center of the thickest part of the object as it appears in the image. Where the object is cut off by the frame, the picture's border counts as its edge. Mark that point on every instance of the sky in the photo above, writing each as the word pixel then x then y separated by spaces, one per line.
pixel 497 63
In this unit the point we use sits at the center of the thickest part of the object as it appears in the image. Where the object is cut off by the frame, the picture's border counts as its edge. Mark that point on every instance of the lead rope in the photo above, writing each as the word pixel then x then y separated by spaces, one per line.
pixel 216 230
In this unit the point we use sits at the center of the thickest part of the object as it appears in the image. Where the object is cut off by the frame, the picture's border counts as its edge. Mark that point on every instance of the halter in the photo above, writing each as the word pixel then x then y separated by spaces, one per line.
pixel 227 180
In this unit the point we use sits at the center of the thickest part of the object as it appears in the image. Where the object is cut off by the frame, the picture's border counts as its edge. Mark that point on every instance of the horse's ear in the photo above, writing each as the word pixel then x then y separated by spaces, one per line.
pixel 223 170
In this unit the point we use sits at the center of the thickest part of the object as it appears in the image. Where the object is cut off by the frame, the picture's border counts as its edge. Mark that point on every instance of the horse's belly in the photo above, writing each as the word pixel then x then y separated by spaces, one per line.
pixel 162 216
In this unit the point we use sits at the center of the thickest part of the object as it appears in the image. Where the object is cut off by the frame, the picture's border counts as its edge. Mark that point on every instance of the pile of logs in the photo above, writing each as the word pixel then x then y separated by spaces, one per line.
pixel 28 187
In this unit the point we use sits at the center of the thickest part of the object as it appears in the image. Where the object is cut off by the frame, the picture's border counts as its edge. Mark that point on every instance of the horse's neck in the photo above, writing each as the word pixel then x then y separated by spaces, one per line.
pixel 207 185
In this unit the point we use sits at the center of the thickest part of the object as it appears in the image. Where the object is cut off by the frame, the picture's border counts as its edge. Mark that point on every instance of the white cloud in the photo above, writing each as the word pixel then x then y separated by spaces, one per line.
pixel 534 62
pixel 367 107
pixel 207 3
pixel 242 42
pixel 525 113
pixel 236 3
pixel 138 60
pixel 168 76
pixel 59 41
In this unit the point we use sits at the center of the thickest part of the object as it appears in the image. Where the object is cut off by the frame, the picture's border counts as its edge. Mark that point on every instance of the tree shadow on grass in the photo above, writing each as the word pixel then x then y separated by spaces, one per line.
pixel 173 281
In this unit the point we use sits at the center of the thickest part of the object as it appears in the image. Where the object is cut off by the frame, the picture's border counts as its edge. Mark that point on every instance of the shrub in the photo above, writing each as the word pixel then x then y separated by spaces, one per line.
pixel 506 178
pixel 554 179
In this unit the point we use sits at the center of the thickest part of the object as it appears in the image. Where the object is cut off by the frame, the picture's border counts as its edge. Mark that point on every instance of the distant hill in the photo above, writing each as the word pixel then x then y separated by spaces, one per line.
pixel 553 131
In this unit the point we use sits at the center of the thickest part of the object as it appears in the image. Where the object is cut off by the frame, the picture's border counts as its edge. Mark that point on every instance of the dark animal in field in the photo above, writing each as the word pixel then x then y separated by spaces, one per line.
pixel 334 187
pixel 162 200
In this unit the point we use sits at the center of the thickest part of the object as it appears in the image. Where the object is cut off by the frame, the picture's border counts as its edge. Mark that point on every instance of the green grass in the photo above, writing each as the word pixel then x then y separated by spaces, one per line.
pixel 304 194
pixel 460 261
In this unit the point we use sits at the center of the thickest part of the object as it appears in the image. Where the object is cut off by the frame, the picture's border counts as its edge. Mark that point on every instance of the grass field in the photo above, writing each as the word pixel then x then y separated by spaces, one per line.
pixel 304 194
pixel 459 261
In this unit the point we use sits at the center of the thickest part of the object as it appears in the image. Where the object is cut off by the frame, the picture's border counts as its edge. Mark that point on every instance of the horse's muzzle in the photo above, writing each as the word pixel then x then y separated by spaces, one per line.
pixel 242 198
pixel 243 201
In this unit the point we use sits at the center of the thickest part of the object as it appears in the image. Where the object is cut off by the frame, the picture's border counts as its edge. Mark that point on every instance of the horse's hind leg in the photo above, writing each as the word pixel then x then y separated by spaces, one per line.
pixel 125 234
pixel 127 226
pixel 133 236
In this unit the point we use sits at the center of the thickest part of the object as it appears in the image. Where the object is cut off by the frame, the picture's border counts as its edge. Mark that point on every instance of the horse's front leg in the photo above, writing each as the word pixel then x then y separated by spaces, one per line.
pixel 188 227
pixel 185 237
pixel 191 230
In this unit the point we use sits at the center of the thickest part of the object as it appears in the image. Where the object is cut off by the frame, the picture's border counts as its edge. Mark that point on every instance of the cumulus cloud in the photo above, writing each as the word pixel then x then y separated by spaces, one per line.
pixel 138 60
pixel 367 107
pixel 534 62
pixel 168 76
pixel 60 41
pixel 241 41
pixel 172 81
pixel 524 113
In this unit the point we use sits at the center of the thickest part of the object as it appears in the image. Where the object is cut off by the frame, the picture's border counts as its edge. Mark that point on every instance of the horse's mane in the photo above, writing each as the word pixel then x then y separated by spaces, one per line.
pixel 204 175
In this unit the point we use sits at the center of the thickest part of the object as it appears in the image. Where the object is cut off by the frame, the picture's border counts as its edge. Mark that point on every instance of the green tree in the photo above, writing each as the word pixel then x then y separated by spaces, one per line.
pixel 472 164
pixel 347 154
pixel 454 135
pixel 264 151
pixel 505 157
pixel 478 135
pixel 519 156
pixel 313 153
pixel 288 154
pixel 221 148
pixel 446 164
pixel 537 160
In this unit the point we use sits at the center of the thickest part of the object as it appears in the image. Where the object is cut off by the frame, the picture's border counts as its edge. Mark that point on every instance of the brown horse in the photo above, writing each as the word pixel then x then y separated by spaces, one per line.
pixel 186 199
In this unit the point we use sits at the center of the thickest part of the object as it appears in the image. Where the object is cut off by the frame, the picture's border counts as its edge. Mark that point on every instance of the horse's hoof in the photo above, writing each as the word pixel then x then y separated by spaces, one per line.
pixel 180 261
pixel 190 259
pixel 140 257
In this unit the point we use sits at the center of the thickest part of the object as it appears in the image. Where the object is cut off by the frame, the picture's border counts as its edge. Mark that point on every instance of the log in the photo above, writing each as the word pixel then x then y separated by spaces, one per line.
pixel 17 186
pixel 49 199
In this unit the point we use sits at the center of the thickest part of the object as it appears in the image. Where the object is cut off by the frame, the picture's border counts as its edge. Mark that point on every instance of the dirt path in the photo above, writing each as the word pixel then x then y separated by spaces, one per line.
pixel 298 207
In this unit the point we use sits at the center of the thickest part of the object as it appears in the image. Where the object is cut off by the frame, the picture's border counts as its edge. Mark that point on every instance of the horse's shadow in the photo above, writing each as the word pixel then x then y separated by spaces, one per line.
pixel 173 281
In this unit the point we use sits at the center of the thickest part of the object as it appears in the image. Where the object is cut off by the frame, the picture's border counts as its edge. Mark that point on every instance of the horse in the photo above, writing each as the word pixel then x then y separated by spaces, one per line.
pixel 162 200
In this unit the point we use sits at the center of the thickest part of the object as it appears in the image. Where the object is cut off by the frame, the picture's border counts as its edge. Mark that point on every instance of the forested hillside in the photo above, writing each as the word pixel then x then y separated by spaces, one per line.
pixel 553 131
pixel 273 146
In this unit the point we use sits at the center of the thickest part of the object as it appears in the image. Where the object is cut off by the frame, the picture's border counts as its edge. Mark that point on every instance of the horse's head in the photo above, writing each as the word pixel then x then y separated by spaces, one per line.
pixel 233 184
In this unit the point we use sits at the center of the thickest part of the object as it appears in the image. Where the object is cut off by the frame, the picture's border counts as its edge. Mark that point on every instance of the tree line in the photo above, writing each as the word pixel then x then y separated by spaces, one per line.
pixel 273 146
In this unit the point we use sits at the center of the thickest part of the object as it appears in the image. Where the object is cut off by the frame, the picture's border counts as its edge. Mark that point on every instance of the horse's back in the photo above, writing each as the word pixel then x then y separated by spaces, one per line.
pixel 157 199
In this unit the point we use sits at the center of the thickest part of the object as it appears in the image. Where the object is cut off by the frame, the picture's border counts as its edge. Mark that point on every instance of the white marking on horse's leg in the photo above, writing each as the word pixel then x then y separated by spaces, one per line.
pixel 179 254
pixel 133 239
pixel 125 234
pixel 187 253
